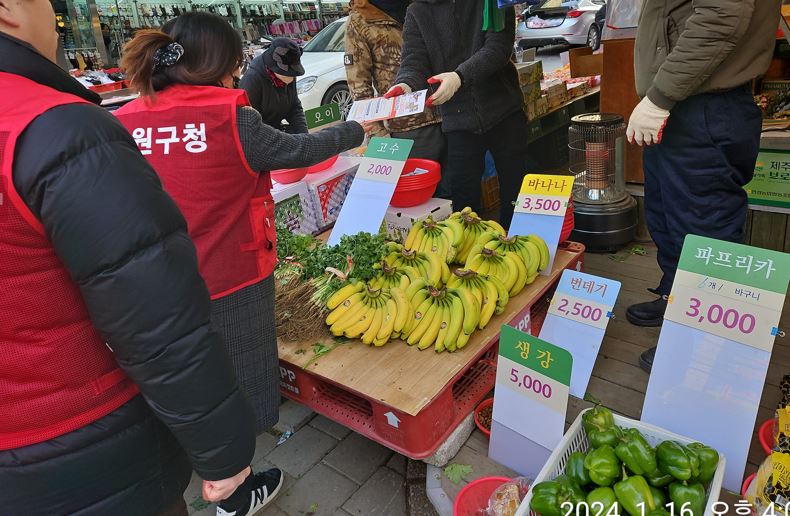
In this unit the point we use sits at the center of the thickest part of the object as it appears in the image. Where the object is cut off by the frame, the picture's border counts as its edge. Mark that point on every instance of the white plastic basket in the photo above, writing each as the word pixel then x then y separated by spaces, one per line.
pixel 575 439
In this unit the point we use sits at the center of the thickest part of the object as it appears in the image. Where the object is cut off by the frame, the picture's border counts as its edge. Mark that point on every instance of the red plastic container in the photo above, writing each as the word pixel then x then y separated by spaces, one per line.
pixel 320 167
pixel 766 435
pixel 488 402
pixel 473 498
pixel 413 190
pixel 288 175
pixel 104 88
pixel 746 484
pixel 568 223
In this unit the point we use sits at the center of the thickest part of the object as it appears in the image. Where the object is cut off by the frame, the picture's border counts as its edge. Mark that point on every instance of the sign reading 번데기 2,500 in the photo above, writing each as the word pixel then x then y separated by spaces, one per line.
pixel 730 290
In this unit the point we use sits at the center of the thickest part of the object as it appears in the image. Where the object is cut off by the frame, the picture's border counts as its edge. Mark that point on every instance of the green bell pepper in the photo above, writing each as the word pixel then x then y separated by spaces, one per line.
pixel 635 496
pixel 601 500
pixel 658 496
pixel 603 466
pixel 677 460
pixel 600 428
pixel 659 479
pixel 708 461
pixel 691 496
pixel 551 498
pixel 576 492
pixel 635 452
pixel 574 469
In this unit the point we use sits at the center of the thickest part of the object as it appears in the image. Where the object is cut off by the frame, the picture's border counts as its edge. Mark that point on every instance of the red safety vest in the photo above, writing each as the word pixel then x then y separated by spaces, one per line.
pixel 56 373
pixel 189 135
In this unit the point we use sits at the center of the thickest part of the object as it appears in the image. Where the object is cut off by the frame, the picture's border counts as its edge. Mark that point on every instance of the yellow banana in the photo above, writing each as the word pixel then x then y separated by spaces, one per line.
pixel 434 268
pixel 476 288
pixel 412 237
pixel 456 323
pixel 388 324
pixel 471 309
pixel 502 294
pixel 344 293
pixel 474 262
pixel 419 239
pixel 380 342
pixel 521 275
pixel 429 337
pixel 447 232
pixel 425 321
pixel 402 309
pixel 361 325
pixel 485 267
pixel 534 258
pixel 351 316
pixel 544 251
pixel 375 325
pixel 411 272
pixel 415 286
pixel 344 307
pixel 404 282
pixel 445 273
pixel 489 304
pixel 509 272
pixel 532 278
pixel 457 229
pixel 496 227
pixel 438 343
pixel 463 338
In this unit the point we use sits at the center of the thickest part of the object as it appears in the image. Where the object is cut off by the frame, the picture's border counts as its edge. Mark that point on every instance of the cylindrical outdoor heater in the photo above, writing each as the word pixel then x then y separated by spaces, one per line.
pixel 605 214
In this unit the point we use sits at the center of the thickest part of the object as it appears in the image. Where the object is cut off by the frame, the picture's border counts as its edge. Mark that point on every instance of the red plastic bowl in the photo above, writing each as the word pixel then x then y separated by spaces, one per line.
pixel 473 498
pixel 320 167
pixel 488 402
pixel 409 198
pixel 415 190
pixel 568 224
pixel 288 175
pixel 766 435
pixel 746 484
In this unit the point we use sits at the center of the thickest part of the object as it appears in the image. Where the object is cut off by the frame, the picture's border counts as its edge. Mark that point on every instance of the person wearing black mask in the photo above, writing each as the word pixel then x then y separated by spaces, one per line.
pixel 270 84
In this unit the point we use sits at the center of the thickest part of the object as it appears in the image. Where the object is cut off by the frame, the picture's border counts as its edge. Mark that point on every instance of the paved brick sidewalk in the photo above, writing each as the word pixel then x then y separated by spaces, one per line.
pixel 331 471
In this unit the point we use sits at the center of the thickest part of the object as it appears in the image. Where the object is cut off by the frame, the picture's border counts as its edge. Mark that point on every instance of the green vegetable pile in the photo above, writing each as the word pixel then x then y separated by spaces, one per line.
pixel 622 474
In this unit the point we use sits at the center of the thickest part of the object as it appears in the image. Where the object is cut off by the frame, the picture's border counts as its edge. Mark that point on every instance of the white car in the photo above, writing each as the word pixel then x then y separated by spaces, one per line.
pixel 324 81
pixel 558 22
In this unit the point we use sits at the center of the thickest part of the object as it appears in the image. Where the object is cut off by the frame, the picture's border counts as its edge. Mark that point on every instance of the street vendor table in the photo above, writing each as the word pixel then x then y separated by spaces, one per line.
pixel 406 399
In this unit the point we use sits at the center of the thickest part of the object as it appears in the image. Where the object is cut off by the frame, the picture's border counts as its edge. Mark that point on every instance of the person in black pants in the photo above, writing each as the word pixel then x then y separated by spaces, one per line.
pixel 450 45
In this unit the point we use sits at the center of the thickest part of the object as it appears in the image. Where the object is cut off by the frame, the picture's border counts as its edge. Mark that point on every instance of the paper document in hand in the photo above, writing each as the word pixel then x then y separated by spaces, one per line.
pixel 374 110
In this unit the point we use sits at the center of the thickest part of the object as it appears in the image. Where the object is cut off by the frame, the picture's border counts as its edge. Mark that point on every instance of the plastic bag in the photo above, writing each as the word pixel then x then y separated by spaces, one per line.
pixel 622 18
pixel 764 495
pixel 507 497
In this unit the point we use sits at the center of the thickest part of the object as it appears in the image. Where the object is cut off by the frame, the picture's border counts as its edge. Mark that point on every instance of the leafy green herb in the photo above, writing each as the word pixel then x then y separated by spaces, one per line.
pixel 313 508
pixel 455 473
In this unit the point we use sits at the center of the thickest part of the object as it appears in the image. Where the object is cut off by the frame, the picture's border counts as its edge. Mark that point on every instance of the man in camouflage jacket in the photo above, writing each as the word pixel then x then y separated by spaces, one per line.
pixel 373 48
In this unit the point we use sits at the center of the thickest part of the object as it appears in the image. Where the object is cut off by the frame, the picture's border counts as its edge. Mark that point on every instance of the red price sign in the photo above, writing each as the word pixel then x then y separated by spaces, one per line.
pixel 580 310
pixel 541 204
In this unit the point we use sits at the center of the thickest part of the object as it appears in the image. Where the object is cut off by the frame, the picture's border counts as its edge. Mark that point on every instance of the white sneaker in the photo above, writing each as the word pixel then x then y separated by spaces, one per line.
pixel 253 495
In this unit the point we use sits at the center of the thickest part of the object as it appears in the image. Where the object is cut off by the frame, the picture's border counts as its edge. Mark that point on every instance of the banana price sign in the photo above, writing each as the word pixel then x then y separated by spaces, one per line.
pixel 540 209
pixel 715 345
pixel 371 192
pixel 530 400
pixel 578 315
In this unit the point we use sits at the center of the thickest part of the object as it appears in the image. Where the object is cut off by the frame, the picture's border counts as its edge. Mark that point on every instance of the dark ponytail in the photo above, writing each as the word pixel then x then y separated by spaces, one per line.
pixel 212 50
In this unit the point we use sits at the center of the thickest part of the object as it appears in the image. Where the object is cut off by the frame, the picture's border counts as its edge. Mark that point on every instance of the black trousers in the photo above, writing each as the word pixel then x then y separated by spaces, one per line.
pixel 466 163
pixel 694 178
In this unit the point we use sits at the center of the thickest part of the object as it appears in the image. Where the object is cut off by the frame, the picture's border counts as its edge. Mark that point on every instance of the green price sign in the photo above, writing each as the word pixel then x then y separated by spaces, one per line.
pixel 535 354
pixel 389 148
pixel 770 185
pixel 323 115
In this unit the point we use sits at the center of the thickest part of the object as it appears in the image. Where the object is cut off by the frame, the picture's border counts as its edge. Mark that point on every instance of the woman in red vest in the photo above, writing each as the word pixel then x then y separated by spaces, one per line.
pixel 212 152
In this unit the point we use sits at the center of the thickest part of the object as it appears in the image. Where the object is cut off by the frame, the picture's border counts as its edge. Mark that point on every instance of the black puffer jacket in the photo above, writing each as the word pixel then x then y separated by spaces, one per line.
pixel 125 243
pixel 446 36
pixel 273 103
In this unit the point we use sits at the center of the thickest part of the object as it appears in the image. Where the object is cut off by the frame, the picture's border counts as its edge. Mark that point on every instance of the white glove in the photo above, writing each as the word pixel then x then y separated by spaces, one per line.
pixel 647 123
pixel 398 90
pixel 449 83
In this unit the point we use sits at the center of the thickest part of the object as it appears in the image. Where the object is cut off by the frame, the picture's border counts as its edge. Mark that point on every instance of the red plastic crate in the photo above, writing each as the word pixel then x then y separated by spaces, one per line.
pixel 419 436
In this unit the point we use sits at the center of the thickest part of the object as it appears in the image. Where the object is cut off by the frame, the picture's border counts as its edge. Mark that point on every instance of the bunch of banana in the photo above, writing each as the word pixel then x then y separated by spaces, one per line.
pixel 490 293
pixel 393 275
pixel 428 265
pixel 532 254
pixel 374 315
pixel 428 236
pixel 507 267
pixel 472 226
pixel 443 318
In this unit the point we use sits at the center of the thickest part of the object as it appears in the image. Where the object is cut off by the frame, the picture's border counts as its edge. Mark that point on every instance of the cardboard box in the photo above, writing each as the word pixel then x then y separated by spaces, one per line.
pixel 531 91
pixel 398 221
pixel 556 92
pixel 529 72
pixel 328 190
pixel 293 208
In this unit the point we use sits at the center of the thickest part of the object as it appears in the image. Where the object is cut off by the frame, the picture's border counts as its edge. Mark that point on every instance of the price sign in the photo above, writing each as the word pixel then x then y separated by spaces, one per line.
pixel 371 192
pixel 322 115
pixel 577 319
pixel 532 385
pixel 715 345
pixel 540 209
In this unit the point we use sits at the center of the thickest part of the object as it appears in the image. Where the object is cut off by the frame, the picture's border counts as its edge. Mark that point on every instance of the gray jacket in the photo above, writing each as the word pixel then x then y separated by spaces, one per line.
pixel 445 36
pixel 686 47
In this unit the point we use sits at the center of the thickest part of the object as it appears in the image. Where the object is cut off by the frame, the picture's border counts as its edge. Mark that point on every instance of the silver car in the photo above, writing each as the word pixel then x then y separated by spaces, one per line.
pixel 557 22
